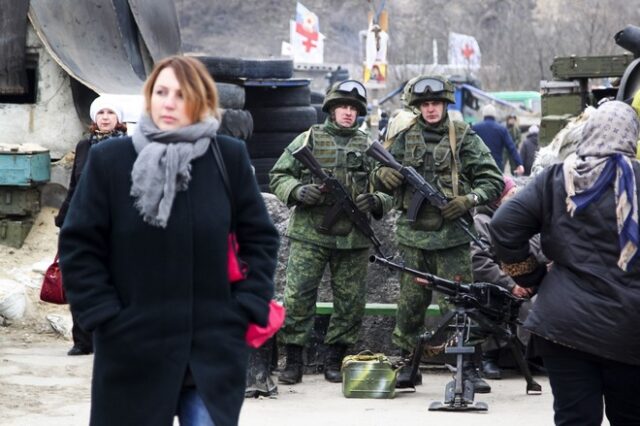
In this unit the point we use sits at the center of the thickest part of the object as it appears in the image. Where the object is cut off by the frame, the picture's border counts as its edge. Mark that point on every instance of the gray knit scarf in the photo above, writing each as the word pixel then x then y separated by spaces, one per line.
pixel 163 166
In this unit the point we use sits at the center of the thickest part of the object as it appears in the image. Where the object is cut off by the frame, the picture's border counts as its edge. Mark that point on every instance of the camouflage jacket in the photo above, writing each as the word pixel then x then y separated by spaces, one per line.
pixel 341 154
pixel 516 135
pixel 427 149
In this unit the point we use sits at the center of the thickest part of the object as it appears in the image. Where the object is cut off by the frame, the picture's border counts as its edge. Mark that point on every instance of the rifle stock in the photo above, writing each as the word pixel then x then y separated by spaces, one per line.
pixel 424 190
pixel 344 201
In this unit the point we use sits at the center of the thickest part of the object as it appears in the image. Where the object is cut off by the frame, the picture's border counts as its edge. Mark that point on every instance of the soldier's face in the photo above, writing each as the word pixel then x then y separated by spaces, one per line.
pixel 168 106
pixel 345 115
pixel 432 111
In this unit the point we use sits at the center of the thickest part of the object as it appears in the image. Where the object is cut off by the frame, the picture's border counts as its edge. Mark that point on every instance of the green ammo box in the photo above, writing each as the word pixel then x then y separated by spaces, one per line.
pixel 17 201
pixel 562 104
pixel 568 67
pixel 14 232
pixel 560 97
pixel 550 126
pixel 368 375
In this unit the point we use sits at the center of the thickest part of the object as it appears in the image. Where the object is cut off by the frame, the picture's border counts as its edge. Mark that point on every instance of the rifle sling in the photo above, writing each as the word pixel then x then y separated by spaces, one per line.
pixel 454 165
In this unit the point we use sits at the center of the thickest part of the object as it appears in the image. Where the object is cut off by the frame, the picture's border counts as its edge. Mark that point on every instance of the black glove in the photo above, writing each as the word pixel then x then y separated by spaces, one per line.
pixel 308 194
pixel 457 207
pixel 390 178
pixel 368 203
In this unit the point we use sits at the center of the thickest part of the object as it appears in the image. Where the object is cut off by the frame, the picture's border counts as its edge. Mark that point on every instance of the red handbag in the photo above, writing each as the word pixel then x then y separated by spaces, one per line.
pixel 52 290
pixel 237 270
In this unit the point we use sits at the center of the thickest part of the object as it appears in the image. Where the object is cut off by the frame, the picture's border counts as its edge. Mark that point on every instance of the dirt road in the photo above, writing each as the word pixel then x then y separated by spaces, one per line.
pixel 40 385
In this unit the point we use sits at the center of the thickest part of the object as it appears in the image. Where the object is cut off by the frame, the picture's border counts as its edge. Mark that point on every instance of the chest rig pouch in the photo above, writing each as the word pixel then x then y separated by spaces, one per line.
pixel 430 154
pixel 344 162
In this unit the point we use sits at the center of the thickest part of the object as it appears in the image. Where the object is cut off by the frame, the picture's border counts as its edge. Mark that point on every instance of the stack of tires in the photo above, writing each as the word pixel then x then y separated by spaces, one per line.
pixel 279 107
pixel 281 110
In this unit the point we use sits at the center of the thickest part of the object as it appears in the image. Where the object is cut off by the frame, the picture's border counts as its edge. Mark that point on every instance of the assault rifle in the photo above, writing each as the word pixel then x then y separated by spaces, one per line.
pixel 423 189
pixel 343 202
pixel 495 311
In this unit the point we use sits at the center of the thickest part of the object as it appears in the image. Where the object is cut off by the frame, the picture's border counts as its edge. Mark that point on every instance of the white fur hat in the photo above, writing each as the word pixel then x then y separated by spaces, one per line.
pixel 534 129
pixel 102 102
pixel 488 111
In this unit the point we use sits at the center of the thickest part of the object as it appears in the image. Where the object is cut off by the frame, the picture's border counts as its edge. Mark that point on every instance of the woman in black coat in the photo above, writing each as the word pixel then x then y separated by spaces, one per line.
pixel 106 122
pixel 586 321
pixel 143 252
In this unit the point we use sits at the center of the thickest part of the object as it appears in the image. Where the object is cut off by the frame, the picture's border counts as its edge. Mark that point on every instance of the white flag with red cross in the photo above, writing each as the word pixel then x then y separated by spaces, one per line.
pixel 464 51
pixel 307 44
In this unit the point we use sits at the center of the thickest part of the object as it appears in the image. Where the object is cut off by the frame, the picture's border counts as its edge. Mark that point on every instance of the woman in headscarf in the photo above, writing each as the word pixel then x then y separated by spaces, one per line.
pixel 143 253
pixel 585 322
pixel 106 122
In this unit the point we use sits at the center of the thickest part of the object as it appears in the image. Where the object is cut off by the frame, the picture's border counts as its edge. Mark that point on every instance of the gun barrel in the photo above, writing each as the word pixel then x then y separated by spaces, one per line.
pixel 629 39
pixel 439 284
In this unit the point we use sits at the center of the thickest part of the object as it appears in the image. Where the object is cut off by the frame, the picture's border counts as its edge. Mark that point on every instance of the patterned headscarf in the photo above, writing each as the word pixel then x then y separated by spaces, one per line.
pixel 606 153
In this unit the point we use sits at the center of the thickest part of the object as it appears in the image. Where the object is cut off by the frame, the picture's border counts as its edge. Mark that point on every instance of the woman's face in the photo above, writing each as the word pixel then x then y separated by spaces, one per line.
pixel 106 120
pixel 168 107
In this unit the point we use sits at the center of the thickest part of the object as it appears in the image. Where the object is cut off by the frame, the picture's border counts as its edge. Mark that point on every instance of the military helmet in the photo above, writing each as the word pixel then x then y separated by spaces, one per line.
pixel 406 91
pixel 431 88
pixel 347 92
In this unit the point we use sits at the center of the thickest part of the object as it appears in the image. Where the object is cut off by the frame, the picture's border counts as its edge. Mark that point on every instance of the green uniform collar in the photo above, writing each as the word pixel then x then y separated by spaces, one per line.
pixel 440 128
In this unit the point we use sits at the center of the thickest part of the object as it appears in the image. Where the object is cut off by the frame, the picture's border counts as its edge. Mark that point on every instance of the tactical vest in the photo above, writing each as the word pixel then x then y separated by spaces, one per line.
pixel 432 159
pixel 346 163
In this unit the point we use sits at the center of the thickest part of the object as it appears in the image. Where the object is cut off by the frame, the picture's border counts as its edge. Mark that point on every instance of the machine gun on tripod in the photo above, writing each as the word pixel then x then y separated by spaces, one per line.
pixel 495 311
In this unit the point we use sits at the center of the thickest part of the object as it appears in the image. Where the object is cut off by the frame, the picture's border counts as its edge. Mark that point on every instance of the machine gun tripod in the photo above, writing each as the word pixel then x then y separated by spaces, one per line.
pixel 483 306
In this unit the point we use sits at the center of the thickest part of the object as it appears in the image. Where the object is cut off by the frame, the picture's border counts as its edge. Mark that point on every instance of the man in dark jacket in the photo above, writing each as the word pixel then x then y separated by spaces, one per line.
pixel 486 268
pixel 585 320
pixel 529 149
pixel 497 138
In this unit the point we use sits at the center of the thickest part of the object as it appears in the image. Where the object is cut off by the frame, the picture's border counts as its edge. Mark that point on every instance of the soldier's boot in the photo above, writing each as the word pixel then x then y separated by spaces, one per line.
pixel 403 379
pixel 470 372
pixel 292 372
pixel 490 369
pixel 333 363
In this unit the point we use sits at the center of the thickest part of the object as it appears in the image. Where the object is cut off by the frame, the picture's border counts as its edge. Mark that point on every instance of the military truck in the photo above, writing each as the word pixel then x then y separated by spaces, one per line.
pixel 581 81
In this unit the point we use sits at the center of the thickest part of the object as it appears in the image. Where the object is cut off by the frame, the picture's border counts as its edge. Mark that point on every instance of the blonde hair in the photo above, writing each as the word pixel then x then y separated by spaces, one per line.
pixel 198 88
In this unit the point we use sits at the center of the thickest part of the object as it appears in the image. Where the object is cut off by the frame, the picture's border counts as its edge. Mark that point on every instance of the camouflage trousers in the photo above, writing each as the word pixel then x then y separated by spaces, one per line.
pixel 305 268
pixel 414 299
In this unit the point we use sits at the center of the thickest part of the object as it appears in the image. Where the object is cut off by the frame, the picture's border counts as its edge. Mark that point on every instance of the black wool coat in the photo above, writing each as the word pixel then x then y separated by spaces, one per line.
pixel 585 301
pixel 158 300
pixel 82 150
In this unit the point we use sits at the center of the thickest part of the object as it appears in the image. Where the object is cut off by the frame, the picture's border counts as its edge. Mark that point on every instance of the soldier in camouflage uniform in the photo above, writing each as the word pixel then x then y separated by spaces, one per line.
pixel 433 242
pixel 339 147
pixel 516 136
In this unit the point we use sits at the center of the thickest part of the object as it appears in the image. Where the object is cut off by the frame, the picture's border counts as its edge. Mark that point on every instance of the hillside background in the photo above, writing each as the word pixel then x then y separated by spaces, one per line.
pixel 518 38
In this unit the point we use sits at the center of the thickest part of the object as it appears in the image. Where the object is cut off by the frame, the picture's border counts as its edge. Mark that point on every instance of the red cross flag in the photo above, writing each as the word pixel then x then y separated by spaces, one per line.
pixel 307 44
pixel 463 51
